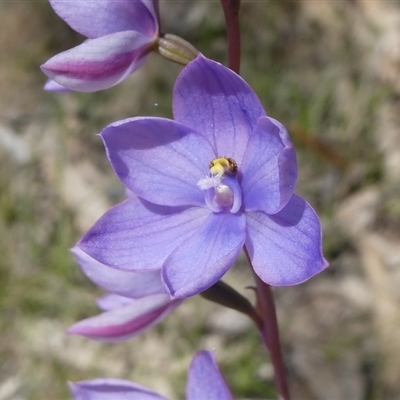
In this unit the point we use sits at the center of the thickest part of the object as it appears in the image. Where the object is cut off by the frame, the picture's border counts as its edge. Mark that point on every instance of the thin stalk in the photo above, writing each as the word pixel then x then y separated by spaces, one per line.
pixel 231 13
pixel 223 294
pixel 270 335
pixel 269 332
pixel 267 323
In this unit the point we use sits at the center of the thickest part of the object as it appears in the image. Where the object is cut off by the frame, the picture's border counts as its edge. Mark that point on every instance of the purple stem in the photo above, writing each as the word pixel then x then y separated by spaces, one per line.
pixel 270 335
pixel 267 324
pixel 231 12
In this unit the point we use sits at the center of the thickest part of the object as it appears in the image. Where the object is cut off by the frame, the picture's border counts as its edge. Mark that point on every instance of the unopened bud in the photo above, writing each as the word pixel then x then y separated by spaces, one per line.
pixel 176 49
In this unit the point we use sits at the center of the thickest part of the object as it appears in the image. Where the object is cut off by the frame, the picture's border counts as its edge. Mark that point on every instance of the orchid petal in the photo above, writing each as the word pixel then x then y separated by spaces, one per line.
pixel 219 104
pixel 126 283
pixel 269 168
pixel 205 381
pixel 152 5
pixel 285 248
pixel 127 321
pixel 111 301
pixel 98 63
pixel 51 86
pixel 109 388
pixel 137 235
pixel 98 18
pixel 159 159
pixel 201 260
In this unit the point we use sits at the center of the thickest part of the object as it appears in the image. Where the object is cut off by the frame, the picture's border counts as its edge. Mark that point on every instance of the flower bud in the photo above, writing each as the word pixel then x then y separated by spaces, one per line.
pixel 176 49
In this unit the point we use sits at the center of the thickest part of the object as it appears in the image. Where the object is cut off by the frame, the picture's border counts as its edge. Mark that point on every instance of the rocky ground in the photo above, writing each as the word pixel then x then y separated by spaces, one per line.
pixel 331 72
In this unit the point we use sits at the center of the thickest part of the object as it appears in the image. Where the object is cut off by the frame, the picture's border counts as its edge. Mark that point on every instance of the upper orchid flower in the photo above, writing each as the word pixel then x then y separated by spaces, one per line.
pixel 219 177
pixel 120 36
pixel 205 381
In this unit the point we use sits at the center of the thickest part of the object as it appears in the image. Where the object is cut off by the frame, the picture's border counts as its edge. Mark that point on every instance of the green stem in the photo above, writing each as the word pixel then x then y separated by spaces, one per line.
pixel 223 294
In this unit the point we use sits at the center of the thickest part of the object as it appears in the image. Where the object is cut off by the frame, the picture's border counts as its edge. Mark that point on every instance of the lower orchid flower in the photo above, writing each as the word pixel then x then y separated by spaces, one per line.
pixel 137 302
pixel 205 382
pixel 218 177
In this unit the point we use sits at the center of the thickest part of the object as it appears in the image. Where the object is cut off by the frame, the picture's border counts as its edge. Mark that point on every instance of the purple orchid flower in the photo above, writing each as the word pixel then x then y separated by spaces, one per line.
pixel 219 177
pixel 137 302
pixel 120 36
pixel 205 381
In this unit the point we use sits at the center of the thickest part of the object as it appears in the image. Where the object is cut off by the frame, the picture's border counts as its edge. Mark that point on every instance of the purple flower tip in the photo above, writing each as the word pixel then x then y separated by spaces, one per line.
pixel 204 382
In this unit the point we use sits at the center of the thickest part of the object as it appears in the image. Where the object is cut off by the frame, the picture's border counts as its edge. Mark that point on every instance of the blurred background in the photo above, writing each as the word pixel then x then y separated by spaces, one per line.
pixel 330 71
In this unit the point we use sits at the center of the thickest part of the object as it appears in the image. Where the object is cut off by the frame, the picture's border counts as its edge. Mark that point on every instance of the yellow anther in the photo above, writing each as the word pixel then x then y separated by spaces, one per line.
pixel 222 165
